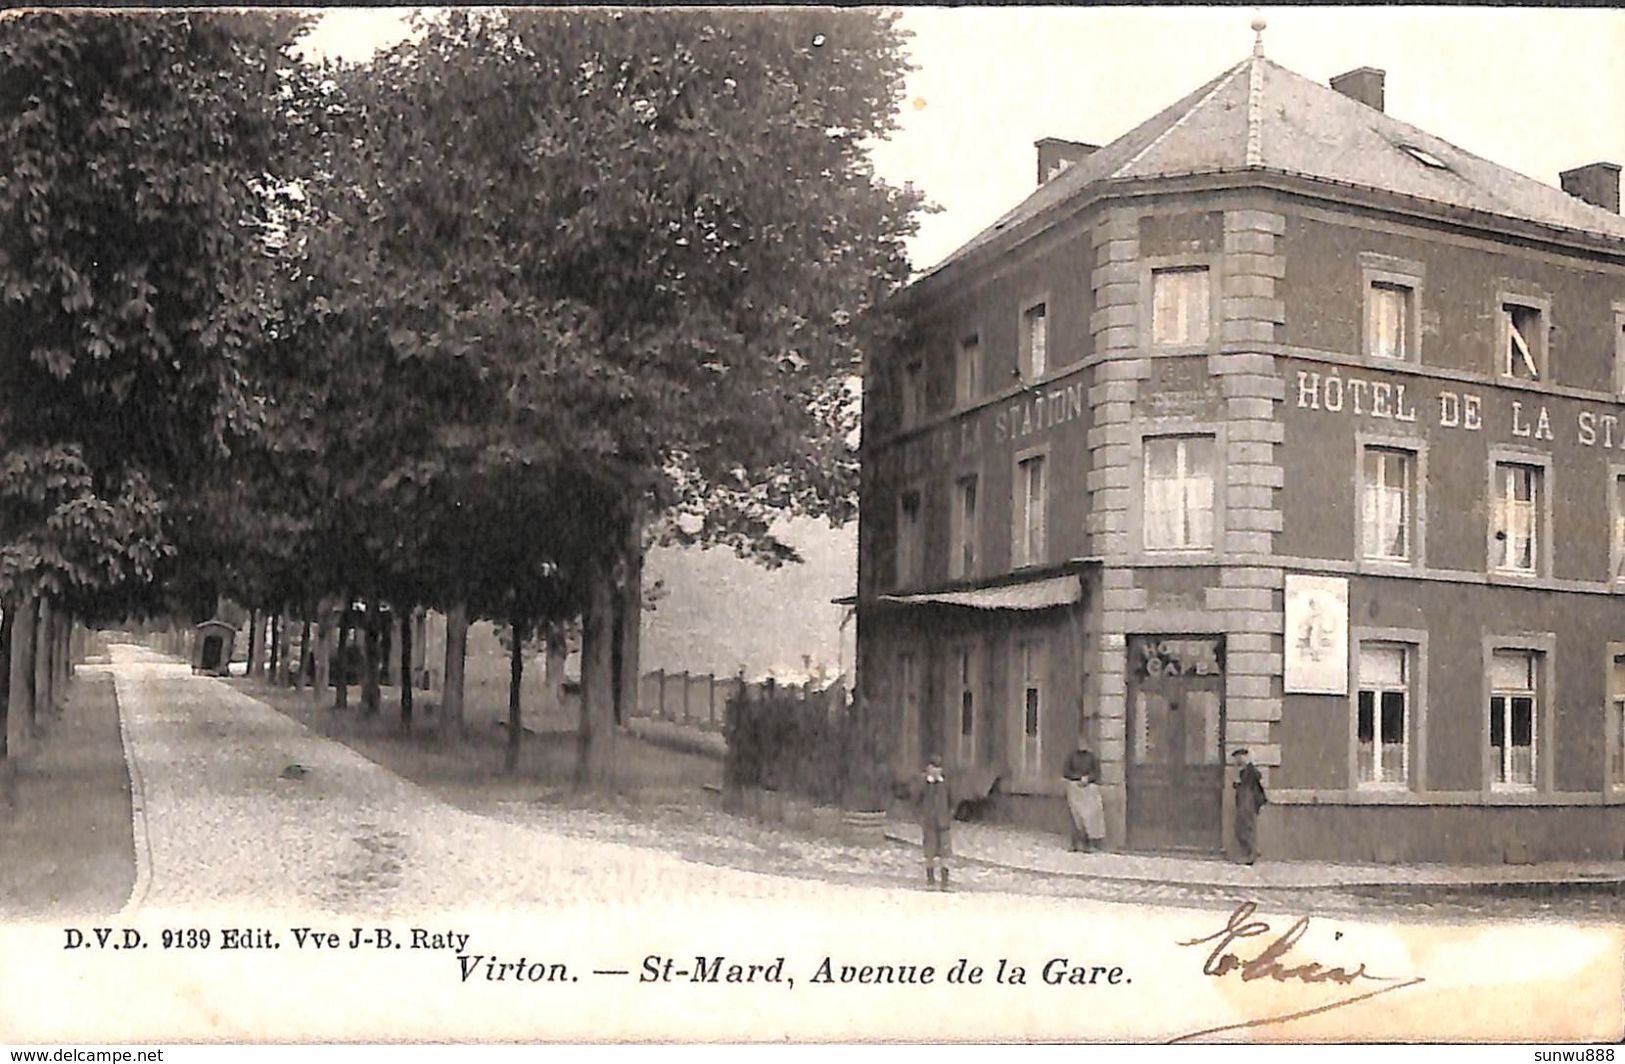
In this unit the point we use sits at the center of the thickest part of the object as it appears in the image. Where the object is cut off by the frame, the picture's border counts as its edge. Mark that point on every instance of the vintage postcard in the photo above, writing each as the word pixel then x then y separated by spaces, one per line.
pixel 810 524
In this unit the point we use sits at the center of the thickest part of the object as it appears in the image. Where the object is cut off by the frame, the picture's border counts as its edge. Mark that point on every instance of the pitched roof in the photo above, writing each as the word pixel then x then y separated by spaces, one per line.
pixel 1260 115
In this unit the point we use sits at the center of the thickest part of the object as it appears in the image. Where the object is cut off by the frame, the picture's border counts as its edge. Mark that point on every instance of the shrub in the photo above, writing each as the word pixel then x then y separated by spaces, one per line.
pixel 805 747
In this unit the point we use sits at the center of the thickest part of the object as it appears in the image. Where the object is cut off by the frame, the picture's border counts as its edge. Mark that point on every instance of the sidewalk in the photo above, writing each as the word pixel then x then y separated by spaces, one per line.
pixel 1036 851
pixel 65 843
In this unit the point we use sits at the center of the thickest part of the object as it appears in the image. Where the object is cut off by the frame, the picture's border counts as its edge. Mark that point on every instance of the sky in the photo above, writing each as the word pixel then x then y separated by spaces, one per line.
pixel 1537 90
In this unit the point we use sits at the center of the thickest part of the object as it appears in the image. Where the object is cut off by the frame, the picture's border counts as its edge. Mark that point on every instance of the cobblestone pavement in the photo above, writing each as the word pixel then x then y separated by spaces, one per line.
pixel 226 819
pixel 713 836
pixel 241 805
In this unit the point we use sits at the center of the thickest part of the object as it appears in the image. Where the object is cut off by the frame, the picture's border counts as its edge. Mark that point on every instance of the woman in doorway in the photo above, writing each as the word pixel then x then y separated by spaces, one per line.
pixel 1083 801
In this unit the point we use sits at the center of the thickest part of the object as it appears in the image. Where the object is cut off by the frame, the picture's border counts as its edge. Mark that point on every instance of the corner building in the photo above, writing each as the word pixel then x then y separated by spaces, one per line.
pixel 1275 423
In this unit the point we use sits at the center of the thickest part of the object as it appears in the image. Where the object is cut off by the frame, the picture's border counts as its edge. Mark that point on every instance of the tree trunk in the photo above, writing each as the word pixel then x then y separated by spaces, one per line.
pixel 451 695
pixel 64 644
pixel 274 657
pixel 304 653
pixel 8 621
pixel 346 619
pixel 22 674
pixel 256 641
pixel 284 650
pixel 558 650
pixel 629 624
pixel 44 702
pixel 371 649
pixel 64 655
pixel 321 669
pixel 406 668
pixel 596 751
pixel 516 673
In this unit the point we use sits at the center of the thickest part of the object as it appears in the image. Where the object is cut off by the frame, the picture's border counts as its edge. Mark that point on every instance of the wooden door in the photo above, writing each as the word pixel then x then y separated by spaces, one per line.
pixel 1175 748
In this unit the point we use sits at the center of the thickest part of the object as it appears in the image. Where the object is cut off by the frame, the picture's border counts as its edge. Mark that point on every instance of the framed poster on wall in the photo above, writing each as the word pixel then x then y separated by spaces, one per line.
pixel 1317 635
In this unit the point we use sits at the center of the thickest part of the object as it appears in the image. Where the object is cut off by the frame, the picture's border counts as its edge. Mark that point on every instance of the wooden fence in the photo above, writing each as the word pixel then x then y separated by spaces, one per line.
pixel 700 698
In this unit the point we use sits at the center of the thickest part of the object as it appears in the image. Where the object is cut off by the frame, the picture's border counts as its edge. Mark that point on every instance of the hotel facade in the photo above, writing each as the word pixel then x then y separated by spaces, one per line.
pixel 1274 424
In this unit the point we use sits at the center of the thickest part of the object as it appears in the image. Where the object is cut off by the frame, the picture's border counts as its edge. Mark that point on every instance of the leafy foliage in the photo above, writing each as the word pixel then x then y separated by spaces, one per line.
pixel 133 207
pixel 639 248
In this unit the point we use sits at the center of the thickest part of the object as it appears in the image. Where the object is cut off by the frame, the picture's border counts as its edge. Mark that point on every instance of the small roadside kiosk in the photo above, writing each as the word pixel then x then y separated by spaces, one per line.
pixel 212 649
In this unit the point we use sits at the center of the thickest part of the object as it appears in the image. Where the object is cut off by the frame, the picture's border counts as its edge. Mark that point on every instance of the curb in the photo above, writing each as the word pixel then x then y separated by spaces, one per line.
pixel 140 837
pixel 1602 883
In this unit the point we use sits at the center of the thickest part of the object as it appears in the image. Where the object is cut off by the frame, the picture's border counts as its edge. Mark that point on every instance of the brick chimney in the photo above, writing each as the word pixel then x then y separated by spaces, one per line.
pixel 1597 184
pixel 1364 84
pixel 1055 155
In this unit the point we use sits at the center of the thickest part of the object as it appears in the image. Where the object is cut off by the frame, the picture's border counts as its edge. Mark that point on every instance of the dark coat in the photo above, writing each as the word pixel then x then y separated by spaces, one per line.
pixel 934 802
pixel 1250 788
pixel 1081 765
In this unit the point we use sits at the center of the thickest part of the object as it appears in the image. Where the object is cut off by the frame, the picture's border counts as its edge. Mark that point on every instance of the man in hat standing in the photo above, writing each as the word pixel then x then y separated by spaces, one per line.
pixel 1250 798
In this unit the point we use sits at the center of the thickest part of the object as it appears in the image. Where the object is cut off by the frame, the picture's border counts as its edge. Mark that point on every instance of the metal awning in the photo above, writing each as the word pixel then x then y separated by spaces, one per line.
pixel 1035 595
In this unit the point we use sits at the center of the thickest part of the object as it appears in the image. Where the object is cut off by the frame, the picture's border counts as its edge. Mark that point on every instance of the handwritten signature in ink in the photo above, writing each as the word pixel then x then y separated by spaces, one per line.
pixel 1229 956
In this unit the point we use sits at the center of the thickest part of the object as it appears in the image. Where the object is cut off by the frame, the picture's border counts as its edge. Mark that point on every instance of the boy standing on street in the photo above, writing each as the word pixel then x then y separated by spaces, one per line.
pixel 936 819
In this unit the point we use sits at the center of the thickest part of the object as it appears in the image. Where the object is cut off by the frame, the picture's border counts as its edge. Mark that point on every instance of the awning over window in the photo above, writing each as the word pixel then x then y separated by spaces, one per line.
pixel 1037 595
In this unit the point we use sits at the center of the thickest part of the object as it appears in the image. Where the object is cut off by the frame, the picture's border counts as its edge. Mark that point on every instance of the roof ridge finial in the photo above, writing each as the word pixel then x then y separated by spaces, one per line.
pixel 1259 26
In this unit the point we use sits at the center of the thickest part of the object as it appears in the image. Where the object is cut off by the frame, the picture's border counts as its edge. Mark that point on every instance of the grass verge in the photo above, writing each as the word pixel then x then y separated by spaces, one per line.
pixel 466 767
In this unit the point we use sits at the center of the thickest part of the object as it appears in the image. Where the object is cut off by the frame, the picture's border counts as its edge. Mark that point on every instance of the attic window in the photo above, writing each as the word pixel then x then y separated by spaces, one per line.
pixel 1425 157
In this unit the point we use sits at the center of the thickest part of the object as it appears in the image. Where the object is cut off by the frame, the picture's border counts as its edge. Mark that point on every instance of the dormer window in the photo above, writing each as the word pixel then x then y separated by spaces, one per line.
pixel 1425 157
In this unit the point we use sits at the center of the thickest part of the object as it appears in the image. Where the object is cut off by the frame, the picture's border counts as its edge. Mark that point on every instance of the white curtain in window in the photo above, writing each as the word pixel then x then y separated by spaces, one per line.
pixel 1027 539
pixel 1179 492
pixel 1384 508
pixel 1179 306
pixel 1163 494
pixel 1619 527
pixel 1037 341
pixel 1616 697
pixel 1396 496
pixel 1388 325
pixel 1196 469
pixel 1382 665
pixel 962 561
pixel 1518 499
pixel 1618 759
pixel 1035 510
pixel 1512 670
pixel 1198 485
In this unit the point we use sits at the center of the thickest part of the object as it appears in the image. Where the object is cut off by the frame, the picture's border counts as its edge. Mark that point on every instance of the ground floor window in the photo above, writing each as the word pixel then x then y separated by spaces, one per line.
pixel 1032 707
pixel 1616 723
pixel 1514 700
pixel 964 689
pixel 1382 715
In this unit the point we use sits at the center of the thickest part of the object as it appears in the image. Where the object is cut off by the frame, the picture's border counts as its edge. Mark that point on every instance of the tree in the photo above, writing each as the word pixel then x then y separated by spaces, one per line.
pixel 139 157
pixel 648 248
